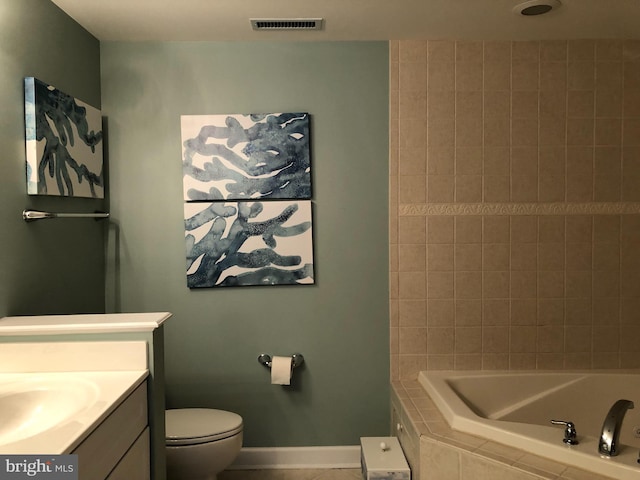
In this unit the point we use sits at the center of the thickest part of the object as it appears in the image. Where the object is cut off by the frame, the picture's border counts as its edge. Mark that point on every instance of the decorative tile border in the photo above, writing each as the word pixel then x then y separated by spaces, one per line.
pixel 593 208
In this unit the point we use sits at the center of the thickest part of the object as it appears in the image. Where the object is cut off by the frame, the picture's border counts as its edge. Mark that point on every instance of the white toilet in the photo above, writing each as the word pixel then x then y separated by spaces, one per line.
pixel 201 442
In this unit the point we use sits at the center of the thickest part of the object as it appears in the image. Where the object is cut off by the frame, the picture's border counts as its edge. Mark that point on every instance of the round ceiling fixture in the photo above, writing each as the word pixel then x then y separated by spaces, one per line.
pixel 536 7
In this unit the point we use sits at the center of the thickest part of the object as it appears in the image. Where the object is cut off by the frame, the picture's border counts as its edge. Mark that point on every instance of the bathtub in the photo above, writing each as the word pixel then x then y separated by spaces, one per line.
pixel 515 408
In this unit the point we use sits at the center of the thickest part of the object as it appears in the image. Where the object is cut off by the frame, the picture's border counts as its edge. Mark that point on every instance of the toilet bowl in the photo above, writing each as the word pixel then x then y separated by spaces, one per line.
pixel 201 442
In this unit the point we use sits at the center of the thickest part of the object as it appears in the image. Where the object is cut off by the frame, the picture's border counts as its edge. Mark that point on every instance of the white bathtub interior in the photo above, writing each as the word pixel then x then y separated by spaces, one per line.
pixel 515 408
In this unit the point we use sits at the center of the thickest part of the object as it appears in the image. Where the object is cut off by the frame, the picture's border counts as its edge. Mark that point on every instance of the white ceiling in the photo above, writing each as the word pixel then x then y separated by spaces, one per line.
pixel 215 20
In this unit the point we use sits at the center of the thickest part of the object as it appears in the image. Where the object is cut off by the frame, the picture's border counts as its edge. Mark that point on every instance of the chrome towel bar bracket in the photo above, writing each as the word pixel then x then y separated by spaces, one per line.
pixel 296 360
pixel 33 215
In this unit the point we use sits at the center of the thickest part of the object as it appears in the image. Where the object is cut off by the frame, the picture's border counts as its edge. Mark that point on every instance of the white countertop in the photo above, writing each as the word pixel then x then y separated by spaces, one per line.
pixel 52 395
pixel 85 323
pixel 100 392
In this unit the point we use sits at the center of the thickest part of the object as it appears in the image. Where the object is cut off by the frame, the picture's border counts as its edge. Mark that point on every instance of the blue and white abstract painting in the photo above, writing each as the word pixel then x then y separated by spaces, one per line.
pixel 246 157
pixel 248 243
pixel 63 143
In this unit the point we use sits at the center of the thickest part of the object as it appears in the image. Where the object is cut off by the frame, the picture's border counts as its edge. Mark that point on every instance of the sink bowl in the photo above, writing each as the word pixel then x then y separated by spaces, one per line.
pixel 35 404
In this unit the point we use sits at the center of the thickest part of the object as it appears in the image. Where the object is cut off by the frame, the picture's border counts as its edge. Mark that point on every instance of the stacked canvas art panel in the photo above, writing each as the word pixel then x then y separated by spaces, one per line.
pixel 247 185
pixel 244 157
pixel 248 243
pixel 63 143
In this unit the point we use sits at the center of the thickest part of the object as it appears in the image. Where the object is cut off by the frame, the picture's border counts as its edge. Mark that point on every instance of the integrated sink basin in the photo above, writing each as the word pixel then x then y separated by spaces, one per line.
pixel 36 403
pixel 52 412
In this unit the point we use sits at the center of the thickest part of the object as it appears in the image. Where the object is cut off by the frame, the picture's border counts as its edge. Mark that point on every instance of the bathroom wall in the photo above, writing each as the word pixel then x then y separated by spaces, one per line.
pixel 340 324
pixel 52 266
pixel 514 190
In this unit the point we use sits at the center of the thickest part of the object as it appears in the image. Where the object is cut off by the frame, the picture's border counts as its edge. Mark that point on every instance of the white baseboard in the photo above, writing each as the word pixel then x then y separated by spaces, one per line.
pixel 297 457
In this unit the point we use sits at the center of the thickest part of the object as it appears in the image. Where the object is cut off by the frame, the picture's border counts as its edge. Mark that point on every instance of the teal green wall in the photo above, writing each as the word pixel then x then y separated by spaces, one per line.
pixel 341 324
pixel 51 266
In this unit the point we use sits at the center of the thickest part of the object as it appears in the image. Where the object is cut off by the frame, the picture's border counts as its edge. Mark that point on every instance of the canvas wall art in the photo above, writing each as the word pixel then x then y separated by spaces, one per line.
pixel 246 157
pixel 248 243
pixel 63 143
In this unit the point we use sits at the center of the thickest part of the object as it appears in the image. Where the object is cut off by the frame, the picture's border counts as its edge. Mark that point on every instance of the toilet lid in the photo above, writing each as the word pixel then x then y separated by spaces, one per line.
pixel 189 426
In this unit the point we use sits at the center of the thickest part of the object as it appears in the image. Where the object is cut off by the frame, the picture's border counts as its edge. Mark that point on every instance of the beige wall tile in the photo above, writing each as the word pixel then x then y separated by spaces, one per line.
pixel 411 258
pixel 500 51
pixel 609 103
pixel 581 103
pixel 551 228
pixel 497 189
pixel 524 256
pixel 441 51
pixel 468 188
pixel 525 51
pixel 411 285
pixel 553 76
pixel 497 132
pixel 412 230
pixel 524 75
pixel 497 75
pixel 498 104
pixel 468 285
pixel 469 75
pixel 412 313
pixel 468 313
pixel 440 285
pixel 412 188
pixel 581 75
pixel 409 51
pixel 440 257
pixel 441 188
pixel 441 75
pixel 468 340
pixel 581 50
pixel 440 340
pixel 468 229
pixel 523 311
pixel 440 313
pixel 496 229
pixel 468 256
pixel 441 160
pixel 495 284
pixel 495 339
pixel 524 229
pixel 549 121
pixel 468 160
pixel 551 311
pixel 440 229
pixel 495 312
pixel 495 256
pixel 413 340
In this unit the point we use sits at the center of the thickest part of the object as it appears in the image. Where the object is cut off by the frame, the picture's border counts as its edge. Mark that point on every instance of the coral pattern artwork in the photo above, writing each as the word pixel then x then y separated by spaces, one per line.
pixel 63 143
pixel 246 157
pixel 248 243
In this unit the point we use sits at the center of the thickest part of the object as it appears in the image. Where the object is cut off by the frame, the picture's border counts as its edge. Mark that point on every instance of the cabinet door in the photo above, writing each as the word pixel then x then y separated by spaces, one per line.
pixel 136 463
pixel 109 442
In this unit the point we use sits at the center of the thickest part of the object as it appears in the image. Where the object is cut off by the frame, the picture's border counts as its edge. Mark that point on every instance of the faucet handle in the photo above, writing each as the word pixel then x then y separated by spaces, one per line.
pixel 570 434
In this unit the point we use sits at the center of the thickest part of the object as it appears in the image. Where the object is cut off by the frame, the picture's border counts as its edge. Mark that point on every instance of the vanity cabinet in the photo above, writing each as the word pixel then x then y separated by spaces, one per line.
pixel 118 448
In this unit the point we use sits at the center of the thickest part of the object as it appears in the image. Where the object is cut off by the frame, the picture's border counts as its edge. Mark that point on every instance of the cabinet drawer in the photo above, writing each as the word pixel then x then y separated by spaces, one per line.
pixel 136 464
pixel 107 444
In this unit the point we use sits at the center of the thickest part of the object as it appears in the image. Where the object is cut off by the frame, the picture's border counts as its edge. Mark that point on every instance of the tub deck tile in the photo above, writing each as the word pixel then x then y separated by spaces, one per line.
pixel 429 428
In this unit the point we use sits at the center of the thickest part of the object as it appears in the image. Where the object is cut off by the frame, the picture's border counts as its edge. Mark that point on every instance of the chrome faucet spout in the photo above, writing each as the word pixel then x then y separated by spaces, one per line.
pixel 611 428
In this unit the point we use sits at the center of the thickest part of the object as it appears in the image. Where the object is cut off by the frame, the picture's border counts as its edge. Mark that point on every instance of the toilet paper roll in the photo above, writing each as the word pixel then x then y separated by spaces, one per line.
pixel 281 370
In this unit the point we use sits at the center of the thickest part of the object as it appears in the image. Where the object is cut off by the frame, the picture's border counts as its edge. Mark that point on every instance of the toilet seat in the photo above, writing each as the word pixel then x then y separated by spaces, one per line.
pixel 192 426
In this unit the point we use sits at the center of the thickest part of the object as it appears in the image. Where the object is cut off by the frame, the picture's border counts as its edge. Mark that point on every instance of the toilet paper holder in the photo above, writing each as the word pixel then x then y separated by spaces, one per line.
pixel 296 360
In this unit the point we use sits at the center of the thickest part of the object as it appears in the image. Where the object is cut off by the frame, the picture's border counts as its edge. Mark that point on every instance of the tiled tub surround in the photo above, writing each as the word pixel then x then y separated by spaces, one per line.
pixel 435 452
pixel 514 190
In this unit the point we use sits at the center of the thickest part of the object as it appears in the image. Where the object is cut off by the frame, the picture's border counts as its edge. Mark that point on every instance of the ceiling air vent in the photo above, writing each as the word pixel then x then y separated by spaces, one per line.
pixel 286 23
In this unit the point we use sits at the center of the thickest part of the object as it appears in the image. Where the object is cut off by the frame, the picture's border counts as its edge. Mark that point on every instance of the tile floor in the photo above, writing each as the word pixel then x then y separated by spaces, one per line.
pixel 306 474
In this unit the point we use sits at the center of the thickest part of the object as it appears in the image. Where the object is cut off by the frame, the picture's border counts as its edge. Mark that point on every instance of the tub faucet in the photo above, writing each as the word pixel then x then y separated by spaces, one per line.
pixel 611 428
